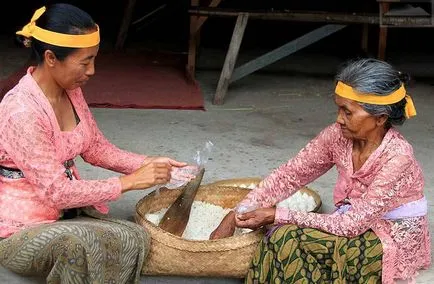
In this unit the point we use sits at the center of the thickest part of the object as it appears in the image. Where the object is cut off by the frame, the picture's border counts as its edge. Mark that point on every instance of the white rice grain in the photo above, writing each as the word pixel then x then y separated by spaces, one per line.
pixel 299 201
pixel 205 217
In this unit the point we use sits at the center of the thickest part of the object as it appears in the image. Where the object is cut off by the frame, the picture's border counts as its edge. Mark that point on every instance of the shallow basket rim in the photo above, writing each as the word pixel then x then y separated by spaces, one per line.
pixel 249 180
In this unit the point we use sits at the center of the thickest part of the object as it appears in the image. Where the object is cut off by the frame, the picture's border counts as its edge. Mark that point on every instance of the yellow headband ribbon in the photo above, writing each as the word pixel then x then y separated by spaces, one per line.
pixel 348 92
pixel 58 39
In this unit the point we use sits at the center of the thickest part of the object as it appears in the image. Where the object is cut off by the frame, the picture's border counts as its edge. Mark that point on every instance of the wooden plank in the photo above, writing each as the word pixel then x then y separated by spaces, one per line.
pixel 285 50
pixel 191 58
pixel 321 17
pixel 149 14
pixel 201 20
pixel 196 23
pixel 382 37
pixel 192 45
pixel 297 16
pixel 407 22
pixel 231 58
pixel 125 24
pixel 365 32
pixel 365 38
pixel 403 1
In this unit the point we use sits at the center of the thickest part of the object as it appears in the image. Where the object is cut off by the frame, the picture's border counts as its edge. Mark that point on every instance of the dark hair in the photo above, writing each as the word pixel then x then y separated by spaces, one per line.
pixel 373 76
pixel 61 18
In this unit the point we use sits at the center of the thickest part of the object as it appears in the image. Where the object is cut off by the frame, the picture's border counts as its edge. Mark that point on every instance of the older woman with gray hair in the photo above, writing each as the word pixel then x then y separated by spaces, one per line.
pixel 379 230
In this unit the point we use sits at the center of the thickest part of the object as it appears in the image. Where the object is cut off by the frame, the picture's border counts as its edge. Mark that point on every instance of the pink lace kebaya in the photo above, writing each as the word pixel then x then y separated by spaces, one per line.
pixel 31 140
pixel 389 179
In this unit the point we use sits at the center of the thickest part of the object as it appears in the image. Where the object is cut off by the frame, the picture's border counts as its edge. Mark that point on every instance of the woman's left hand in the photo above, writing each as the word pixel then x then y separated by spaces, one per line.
pixel 255 219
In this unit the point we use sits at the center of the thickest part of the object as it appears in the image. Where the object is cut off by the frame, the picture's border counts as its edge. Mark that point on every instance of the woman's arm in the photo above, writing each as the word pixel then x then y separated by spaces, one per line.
pixel 31 145
pixel 315 159
pixel 396 175
pixel 104 154
pixel 311 162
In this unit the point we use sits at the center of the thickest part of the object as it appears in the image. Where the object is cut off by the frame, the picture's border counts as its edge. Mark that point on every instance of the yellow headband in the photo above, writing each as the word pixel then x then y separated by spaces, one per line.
pixel 58 39
pixel 348 92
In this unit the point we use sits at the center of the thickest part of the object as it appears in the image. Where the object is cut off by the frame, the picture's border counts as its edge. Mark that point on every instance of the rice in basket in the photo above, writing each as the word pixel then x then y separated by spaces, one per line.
pixel 205 217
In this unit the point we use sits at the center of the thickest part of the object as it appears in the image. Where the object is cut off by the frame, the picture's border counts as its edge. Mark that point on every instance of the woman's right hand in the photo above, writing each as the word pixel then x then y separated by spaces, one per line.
pixel 226 227
pixel 148 175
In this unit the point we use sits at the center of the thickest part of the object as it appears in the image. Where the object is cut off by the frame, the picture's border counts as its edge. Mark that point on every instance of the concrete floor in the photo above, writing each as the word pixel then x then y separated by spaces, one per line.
pixel 266 119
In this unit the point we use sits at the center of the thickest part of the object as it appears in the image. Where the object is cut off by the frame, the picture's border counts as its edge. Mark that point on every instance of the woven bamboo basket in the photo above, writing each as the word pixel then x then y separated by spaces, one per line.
pixel 251 181
pixel 172 255
pixel 228 257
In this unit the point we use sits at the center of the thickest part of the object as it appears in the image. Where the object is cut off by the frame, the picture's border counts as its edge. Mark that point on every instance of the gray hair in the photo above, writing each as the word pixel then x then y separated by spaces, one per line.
pixel 372 76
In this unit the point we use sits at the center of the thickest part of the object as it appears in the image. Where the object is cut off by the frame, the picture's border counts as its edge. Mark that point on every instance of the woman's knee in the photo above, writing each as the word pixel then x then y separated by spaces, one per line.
pixel 137 236
pixel 71 242
pixel 38 254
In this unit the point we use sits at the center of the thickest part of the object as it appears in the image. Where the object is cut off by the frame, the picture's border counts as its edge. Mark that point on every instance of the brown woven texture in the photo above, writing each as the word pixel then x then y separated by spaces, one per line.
pixel 172 255
pixel 255 180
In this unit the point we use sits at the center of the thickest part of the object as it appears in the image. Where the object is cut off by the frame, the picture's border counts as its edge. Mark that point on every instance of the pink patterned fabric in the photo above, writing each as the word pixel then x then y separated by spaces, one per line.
pixel 389 178
pixel 31 140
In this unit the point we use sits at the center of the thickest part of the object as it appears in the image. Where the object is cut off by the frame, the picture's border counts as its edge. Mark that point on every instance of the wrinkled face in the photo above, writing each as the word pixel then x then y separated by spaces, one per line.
pixel 76 69
pixel 355 122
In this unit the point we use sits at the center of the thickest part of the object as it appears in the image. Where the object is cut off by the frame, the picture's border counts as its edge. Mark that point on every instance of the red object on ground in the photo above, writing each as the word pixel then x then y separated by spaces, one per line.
pixel 135 80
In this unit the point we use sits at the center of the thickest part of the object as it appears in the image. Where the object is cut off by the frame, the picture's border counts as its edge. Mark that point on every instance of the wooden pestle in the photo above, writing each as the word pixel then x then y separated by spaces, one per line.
pixel 176 218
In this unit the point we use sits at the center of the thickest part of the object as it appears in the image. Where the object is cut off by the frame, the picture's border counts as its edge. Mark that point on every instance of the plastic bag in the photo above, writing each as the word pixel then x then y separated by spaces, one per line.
pixel 181 176
pixel 241 209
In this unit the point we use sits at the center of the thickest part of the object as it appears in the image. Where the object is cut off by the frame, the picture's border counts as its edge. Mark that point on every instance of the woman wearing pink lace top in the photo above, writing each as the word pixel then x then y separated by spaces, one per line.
pixel 379 231
pixel 47 222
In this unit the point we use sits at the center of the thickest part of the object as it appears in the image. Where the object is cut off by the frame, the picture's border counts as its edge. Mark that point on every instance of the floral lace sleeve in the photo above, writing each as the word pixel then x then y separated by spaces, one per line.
pixel 104 154
pixel 315 159
pixel 393 177
pixel 31 146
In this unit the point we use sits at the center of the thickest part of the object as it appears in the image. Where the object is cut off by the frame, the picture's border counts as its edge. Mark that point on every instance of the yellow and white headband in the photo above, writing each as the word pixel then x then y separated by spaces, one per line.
pixel 348 92
pixel 58 39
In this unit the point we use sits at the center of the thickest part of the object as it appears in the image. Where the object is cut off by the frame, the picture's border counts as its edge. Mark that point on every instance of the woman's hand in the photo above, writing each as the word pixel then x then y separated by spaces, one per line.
pixel 255 219
pixel 180 170
pixel 148 175
pixel 154 171
pixel 167 160
pixel 226 227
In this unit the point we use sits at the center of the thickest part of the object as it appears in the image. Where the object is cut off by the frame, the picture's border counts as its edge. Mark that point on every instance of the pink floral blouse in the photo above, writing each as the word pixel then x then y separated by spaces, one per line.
pixel 389 178
pixel 31 140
